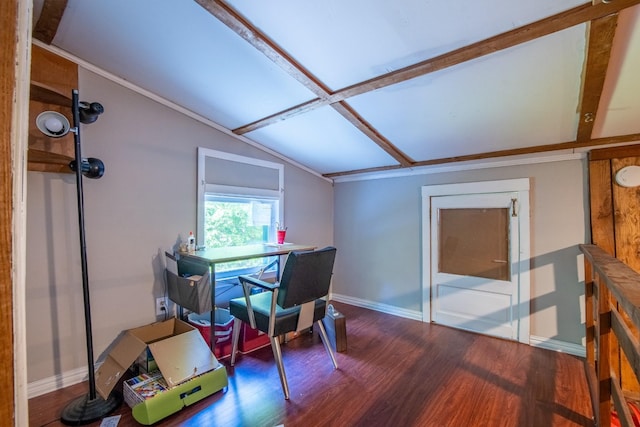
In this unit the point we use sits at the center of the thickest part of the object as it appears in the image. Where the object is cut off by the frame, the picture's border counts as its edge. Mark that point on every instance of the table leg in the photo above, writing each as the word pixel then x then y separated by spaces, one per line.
pixel 212 329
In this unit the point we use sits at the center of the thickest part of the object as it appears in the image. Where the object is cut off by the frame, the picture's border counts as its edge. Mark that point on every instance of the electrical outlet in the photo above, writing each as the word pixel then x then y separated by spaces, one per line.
pixel 161 306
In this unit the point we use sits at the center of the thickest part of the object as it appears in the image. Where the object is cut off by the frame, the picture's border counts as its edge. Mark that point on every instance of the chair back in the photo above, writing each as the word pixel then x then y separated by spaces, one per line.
pixel 306 276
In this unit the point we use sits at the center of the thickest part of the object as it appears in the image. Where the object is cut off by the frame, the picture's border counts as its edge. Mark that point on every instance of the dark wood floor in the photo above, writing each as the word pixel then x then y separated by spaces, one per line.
pixel 396 372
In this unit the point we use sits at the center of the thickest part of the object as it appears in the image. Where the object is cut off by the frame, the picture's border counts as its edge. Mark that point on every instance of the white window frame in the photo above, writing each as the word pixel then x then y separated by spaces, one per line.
pixel 204 188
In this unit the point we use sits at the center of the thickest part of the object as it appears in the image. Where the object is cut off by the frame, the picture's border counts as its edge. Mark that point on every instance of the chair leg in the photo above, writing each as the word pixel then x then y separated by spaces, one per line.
pixel 277 354
pixel 327 344
pixel 237 324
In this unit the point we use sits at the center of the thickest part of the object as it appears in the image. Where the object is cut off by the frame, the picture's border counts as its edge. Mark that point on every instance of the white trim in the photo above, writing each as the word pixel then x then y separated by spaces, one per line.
pixel 520 185
pixel 157 98
pixel 465 166
pixel 57 382
pixel 534 341
pixel 240 191
pixel 376 306
pixel 19 138
pixel 556 345
pixel 204 187
pixel 238 158
pixel 499 186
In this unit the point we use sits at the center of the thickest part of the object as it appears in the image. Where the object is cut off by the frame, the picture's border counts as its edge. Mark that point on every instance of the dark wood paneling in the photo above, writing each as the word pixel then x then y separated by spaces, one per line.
pixel 602 232
pixel 626 208
pixel 8 43
pixel 615 226
pixel 615 152
pixel 50 16
pixel 53 78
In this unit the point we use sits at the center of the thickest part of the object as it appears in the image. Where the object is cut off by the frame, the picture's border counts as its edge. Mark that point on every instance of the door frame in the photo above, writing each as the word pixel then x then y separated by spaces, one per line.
pixel 518 185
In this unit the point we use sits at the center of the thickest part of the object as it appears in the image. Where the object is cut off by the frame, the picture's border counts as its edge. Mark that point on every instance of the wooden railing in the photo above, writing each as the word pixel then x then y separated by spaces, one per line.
pixel 612 298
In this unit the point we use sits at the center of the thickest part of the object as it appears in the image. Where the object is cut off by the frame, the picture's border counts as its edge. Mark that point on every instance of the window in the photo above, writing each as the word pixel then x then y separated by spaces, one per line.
pixel 239 200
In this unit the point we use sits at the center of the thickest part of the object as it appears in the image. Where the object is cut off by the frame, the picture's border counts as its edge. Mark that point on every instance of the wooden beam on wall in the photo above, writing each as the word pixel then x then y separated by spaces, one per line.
pixel 601 33
pixel 49 21
pixel 15 43
pixel 8 13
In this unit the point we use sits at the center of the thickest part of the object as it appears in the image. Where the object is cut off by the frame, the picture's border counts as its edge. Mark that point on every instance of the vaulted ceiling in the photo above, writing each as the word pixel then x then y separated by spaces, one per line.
pixel 353 86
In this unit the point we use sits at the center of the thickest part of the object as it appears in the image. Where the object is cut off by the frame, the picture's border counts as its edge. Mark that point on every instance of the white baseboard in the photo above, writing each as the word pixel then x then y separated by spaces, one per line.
pixel 376 306
pixel 555 345
pixel 66 379
pixel 534 341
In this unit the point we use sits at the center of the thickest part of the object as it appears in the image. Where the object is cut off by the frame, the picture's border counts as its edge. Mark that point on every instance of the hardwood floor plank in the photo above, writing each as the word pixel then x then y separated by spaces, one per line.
pixel 396 371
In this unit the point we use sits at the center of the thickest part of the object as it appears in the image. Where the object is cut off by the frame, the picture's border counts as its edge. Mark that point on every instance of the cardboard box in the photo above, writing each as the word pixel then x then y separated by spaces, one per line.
pixel 146 363
pixel 186 363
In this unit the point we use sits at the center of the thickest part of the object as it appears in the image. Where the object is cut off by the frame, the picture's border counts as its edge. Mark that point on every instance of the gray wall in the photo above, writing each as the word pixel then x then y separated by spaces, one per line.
pixel 143 205
pixel 378 234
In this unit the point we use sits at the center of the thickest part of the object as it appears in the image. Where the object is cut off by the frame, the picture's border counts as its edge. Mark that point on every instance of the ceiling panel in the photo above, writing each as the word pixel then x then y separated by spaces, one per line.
pixel 182 53
pixel 323 141
pixel 345 42
pixel 524 96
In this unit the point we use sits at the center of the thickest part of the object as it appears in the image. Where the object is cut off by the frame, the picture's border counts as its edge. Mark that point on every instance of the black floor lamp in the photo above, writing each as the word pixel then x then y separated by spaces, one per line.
pixel 91 407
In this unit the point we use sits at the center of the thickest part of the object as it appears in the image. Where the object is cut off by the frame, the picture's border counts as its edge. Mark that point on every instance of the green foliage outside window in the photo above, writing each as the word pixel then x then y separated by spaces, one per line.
pixel 229 224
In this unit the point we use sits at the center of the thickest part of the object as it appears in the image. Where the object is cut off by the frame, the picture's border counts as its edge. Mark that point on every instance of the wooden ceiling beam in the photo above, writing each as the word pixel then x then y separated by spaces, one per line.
pixel 622 139
pixel 232 19
pixel 355 119
pixel 601 33
pixel 49 20
pixel 278 117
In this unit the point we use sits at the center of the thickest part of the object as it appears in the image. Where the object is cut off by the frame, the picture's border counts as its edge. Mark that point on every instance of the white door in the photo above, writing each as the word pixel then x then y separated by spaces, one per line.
pixel 476 262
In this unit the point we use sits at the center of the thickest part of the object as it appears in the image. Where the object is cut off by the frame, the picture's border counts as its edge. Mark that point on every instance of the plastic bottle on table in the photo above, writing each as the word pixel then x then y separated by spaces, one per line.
pixel 191 242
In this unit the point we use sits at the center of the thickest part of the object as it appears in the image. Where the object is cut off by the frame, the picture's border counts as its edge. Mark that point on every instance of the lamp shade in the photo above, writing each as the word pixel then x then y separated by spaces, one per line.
pixel 91 167
pixel 628 176
pixel 53 124
pixel 89 112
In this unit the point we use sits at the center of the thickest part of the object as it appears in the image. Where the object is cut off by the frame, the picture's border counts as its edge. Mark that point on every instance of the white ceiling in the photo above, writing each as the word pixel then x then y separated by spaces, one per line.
pixel 524 96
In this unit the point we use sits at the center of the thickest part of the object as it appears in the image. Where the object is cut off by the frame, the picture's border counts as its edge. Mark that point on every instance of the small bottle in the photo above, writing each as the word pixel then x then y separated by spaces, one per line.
pixel 191 242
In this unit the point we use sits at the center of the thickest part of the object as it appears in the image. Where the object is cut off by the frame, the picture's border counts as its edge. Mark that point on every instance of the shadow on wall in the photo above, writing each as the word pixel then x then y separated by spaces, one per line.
pixel 568 314
pixel 565 265
pixel 565 298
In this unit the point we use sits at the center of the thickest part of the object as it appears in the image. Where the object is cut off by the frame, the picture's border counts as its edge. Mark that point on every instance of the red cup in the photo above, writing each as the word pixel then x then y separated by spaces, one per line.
pixel 281 234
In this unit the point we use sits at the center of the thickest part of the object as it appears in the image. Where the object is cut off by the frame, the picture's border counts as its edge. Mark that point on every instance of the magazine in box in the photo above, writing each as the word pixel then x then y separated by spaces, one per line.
pixel 143 387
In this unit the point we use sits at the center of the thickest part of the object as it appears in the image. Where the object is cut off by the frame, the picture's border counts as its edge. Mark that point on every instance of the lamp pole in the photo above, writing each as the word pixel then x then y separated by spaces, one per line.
pixel 89 408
